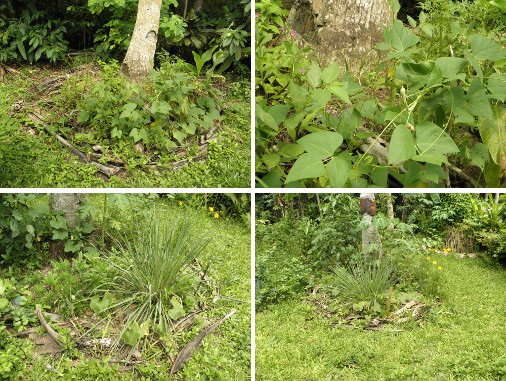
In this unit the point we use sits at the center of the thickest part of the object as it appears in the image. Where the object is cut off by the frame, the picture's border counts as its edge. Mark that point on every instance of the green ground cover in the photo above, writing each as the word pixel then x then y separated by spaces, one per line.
pixel 461 339
pixel 225 354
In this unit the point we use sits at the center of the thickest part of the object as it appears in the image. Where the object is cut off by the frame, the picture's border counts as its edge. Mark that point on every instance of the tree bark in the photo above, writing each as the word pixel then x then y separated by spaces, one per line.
pixel 339 29
pixel 496 198
pixel 141 51
pixel 370 235
pixel 390 210
pixel 68 203
pixel 197 8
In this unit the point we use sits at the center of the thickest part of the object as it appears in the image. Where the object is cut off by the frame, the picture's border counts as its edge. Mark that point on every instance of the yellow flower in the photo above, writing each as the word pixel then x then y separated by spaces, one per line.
pixel 216 215
pixel 211 209
pixel 440 268
pixel 430 249
pixel 428 258
pixel 449 249
pixel 434 262
pixel 180 202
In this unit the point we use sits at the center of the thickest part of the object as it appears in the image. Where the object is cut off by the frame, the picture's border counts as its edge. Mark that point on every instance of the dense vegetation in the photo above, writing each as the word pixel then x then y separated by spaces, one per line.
pixel 109 286
pixel 191 112
pixel 433 98
pixel 412 310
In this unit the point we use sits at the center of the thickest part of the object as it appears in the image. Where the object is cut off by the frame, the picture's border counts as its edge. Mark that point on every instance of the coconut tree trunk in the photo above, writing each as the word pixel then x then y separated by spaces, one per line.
pixel 340 29
pixel 496 198
pixel 141 51
pixel 68 203
pixel 370 235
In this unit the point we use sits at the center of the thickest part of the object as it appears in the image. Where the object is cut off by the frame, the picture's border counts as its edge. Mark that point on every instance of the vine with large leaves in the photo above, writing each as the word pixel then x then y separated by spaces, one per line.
pixel 316 127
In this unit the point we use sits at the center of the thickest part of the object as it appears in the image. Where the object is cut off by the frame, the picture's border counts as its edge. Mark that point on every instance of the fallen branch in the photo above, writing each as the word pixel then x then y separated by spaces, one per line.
pixel 54 335
pixel 193 346
pixel 405 307
pixel 107 170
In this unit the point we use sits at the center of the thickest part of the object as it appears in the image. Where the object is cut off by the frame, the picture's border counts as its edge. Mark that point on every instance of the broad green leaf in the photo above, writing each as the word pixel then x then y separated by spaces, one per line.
pixel 127 110
pixel 180 136
pixel 161 107
pixel 475 65
pixel 451 66
pixel 331 73
pixel 413 173
pixel 291 123
pixel 366 109
pixel 306 166
pixel 21 47
pixel 83 116
pixel 341 93
pixel 3 302
pixel 132 335
pixel 394 4
pixel 479 155
pixel 433 173
pixel 402 146
pixel 338 171
pixel 314 75
pixel 431 139
pixel 17 215
pixel 135 135
pixel 433 158
pixel 30 229
pixel 321 144
pixel 497 86
pixel 71 246
pixel 290 151
pixel 278 112
pixel 412 22
pixel 60 234
pixel 271 180
pixel 379 176
pixel 271 160
pixel 58 223
pixel 400 37
pixel 478 103
pixel 98 305
pixel 3 287
pixel 322 96
pixel 486 49
pixel 492 174
pixel 297 95
pixel 493 134
pixel 177 310
pixel 267 119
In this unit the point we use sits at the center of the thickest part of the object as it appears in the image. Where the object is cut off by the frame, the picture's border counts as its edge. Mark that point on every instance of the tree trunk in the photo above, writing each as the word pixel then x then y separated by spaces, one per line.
pixel 197 8
pixel 496 198
pixel 370 235
pixel 141 51
pixel 390 210
pixel 341 28
pixel 68 203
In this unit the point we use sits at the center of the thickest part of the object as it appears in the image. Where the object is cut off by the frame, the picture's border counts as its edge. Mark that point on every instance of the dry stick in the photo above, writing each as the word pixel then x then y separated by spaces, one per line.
pixel 410 304
pixel 56 337
pixel 193 346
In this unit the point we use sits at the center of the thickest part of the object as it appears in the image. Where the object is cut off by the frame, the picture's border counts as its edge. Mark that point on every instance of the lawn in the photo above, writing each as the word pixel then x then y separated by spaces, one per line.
pixel 225 353
pixel 462 338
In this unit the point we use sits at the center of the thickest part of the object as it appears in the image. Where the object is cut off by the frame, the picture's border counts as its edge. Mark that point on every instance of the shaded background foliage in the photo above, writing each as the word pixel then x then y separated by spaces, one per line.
pixel 105 26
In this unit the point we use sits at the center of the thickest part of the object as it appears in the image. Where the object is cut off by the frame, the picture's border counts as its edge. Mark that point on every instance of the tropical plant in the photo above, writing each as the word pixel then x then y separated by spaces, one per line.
pixel 365 282
pixel 153 282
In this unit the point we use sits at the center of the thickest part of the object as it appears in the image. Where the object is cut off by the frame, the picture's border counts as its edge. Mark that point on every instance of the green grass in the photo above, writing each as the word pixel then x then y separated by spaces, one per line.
pixel 463 339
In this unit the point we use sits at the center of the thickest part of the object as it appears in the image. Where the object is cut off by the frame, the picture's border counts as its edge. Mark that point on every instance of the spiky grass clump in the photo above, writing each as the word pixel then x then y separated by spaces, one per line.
pixel 152 276
pixel 366 281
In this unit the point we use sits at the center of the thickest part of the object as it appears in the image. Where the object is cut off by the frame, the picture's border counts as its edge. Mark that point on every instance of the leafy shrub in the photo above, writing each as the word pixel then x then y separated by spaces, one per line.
pixel 23 228
pixel 173 109
pixel 32 36
pixel 494 243
pixel 279 275
pixel 13 356
pixel 438 99
pixel 152 278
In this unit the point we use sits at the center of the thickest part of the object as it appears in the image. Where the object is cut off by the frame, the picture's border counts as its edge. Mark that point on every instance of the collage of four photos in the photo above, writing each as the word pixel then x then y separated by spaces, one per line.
pixel 236 190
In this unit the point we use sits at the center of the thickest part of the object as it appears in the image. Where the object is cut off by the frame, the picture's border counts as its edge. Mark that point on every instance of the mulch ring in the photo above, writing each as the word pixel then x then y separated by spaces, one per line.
pixel 94 337
pixel 47 85
pixel 326 307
